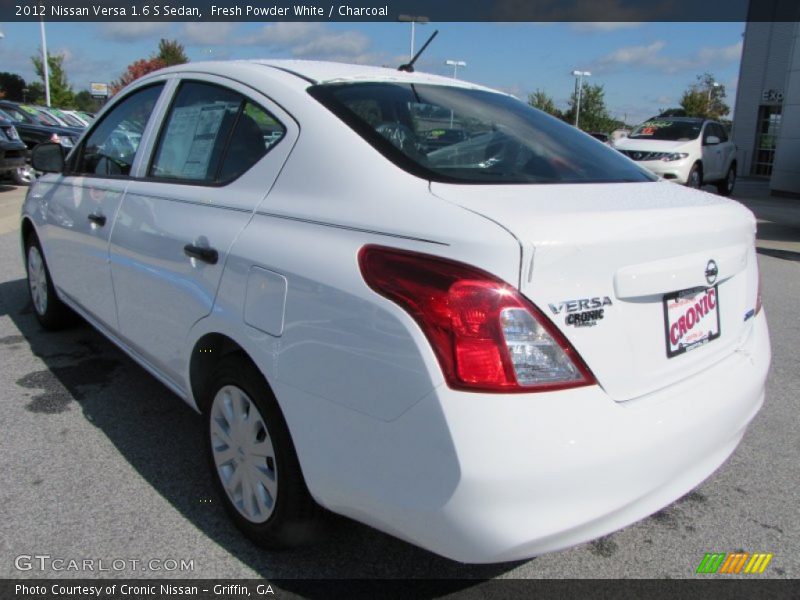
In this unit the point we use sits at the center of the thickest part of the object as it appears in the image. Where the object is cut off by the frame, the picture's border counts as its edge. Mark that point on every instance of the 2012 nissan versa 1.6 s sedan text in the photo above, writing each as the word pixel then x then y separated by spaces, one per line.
pixel 410 300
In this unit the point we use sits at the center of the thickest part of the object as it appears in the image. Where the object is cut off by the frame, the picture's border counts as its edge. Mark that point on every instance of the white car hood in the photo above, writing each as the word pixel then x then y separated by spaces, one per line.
pixel 653 145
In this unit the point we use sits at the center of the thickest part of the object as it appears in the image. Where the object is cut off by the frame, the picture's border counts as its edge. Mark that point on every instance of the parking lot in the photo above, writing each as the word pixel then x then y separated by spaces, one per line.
pixel 102 462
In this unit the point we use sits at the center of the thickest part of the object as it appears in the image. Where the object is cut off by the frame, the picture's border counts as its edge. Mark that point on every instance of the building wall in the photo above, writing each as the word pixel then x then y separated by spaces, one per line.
pixel 766 57
pixel 786 169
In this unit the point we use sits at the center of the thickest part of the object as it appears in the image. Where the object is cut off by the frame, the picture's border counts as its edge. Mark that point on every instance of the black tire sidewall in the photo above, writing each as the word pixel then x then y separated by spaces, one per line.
pixel 696 168
pixel 55 317
pixel 722 186
pixel 292 521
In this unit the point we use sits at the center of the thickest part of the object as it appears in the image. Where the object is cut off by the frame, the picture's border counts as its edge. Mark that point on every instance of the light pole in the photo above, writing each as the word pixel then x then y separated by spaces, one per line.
pixel 714 85
pixel 45 65
pixel 455 64
pixel 413 19
pixel 579 75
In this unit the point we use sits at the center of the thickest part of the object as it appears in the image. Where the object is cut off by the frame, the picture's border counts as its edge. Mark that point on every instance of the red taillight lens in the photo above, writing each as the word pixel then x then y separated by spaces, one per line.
pixel 486 336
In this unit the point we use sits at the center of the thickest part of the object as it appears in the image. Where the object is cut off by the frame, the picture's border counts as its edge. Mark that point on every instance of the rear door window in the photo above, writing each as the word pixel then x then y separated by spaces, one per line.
pixel 212 135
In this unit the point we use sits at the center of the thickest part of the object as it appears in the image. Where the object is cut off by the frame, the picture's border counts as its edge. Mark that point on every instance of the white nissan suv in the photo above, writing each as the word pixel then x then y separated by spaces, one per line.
pixel 500 344
pixel 691 151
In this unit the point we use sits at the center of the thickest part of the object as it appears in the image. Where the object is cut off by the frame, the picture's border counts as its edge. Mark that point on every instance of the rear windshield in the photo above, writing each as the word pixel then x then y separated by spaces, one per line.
pixel 459 135
pixel 665 129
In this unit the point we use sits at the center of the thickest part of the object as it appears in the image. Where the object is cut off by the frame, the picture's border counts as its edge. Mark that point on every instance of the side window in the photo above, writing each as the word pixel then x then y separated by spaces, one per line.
pixel 720 132
pixel 111 147
pixel 212 135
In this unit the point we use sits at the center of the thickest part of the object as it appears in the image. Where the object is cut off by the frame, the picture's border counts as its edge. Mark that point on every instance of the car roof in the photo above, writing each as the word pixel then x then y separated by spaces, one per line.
pixel 316 72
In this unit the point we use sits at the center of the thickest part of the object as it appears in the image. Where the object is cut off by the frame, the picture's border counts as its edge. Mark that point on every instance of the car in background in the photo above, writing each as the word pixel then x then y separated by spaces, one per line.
pixel 32 131
pixel 602 137
pixel 507 345
pixel 691 151
pixel 84 118
pixel 13 151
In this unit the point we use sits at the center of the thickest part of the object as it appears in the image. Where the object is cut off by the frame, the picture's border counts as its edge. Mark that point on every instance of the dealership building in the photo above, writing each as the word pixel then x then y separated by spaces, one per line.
pixel 767 115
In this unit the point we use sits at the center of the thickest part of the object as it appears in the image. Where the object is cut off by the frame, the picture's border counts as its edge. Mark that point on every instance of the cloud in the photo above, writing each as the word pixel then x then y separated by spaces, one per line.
pixel 295 39
pixel 650 57
pixel 206 34
pixel 128 32
pixel 605 26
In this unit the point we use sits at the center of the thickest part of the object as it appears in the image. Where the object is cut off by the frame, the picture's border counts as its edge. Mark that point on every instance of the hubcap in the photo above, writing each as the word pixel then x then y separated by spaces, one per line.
pixel 243 454
pixel 37 280
pixel 26 174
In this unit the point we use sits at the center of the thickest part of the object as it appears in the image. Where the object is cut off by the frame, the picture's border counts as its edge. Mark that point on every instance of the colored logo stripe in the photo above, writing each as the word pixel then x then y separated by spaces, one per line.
pixel 734 563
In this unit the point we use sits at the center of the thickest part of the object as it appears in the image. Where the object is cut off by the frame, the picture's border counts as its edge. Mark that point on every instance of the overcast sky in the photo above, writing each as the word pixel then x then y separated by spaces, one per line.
pixel 643 66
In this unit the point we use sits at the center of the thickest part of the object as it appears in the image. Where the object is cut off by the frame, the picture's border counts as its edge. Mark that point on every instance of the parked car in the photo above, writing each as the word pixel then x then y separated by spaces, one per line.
pixel 603 137
pixel 502 347
pixel 13 151
pixel 33 132
pixel 691 151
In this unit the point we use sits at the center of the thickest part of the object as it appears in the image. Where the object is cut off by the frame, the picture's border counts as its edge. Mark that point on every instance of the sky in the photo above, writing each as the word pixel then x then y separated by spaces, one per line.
pixel 642 66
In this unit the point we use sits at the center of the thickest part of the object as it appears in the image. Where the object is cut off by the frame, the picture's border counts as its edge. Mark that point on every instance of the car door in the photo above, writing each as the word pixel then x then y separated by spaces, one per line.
pixel 727 150
pixel 81 205
pixel 712 154
pixel 215 158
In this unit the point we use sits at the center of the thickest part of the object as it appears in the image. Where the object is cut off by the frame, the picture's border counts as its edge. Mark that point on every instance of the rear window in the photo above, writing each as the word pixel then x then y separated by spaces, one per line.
pixel 458 135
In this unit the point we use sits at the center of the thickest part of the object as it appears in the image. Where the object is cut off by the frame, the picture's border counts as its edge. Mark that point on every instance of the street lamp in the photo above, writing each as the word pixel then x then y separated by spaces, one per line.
pixel 579 75
pixel 45 65
pixel 455 64
pixel 714 85
pixel 413 19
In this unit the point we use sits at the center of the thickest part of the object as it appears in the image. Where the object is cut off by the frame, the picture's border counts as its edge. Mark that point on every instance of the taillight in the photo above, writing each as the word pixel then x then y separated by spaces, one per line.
pixel 486 335
pixel 758 294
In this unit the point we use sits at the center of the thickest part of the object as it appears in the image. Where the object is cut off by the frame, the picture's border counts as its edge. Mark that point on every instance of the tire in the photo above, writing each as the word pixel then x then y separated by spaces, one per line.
pixel 51 313
pixel 725 186
pixel 255 469
pixel 23 175
pixel 695 178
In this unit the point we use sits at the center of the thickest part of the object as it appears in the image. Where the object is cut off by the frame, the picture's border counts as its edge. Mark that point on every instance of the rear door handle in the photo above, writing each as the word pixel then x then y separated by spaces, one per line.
pixel 208 255
pixel 98 220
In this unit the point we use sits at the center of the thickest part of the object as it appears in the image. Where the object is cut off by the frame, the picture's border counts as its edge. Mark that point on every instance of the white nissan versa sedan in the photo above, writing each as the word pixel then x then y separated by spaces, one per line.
pixel 492 348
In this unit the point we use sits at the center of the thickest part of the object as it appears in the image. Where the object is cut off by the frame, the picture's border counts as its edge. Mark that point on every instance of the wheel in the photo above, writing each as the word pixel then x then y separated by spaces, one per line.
pixel 253 460
pixel 725 187
pixel 695 179
pixel 50 311
pixel 23 175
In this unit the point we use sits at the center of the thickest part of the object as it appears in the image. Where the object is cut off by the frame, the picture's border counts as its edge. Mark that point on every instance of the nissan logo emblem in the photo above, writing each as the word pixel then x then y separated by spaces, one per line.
pixel 711 272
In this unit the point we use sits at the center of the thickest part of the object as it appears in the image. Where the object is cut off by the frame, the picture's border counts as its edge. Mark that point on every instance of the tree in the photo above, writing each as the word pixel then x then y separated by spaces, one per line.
pixel 594 115
pixel 171 52
pixel 135 70
pixel 705 98
pixel 35 93
pixel 539 99
pixel 86 102
pixel 12 85
pixel 61 94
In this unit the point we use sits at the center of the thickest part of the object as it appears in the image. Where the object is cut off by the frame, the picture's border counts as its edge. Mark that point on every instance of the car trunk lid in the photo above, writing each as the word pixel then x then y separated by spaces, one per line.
pixel 608 264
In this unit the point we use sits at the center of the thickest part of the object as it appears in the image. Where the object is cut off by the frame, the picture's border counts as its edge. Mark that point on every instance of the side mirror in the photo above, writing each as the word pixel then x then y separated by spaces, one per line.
pixel 712 140
pixel 48 157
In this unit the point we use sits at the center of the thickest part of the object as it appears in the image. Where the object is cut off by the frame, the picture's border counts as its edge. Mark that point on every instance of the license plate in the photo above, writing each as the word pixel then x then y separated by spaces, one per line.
pixel 691 319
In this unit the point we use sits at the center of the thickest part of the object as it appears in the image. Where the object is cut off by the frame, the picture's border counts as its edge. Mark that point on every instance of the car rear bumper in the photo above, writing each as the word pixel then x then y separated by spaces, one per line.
pixel 490 477
pixel 11 160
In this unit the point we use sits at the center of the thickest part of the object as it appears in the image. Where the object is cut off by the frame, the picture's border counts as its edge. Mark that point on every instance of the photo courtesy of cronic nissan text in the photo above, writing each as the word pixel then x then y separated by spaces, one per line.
pixel 399 299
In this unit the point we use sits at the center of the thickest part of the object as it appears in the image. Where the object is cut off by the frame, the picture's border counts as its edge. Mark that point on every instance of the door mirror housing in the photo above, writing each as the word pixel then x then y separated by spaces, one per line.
pixel 712 140
pixel 48 157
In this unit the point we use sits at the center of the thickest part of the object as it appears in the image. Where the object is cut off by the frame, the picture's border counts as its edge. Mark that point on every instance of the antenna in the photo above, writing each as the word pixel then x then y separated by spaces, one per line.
pixel 409 66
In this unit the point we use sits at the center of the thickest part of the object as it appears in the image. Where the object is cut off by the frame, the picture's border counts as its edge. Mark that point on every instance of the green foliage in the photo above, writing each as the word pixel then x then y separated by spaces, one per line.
pixel 171 52
pixel 61 94
pixel 35 93
pixel 594 115
pixel 11 85
pixel 704 99
pixel 539 99
pixel 86 102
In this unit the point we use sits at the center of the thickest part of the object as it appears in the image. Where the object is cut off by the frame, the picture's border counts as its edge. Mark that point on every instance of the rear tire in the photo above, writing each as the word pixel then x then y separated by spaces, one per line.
pixel 252 457
pixel 695 178
pixel 51 313
pixel 725 186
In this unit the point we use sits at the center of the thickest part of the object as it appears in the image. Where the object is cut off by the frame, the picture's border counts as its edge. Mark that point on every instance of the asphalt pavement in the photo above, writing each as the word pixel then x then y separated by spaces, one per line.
pixel 100 461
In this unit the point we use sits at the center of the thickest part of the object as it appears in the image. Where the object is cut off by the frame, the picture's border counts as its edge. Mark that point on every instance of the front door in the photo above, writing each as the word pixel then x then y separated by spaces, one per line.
pixel 81 205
